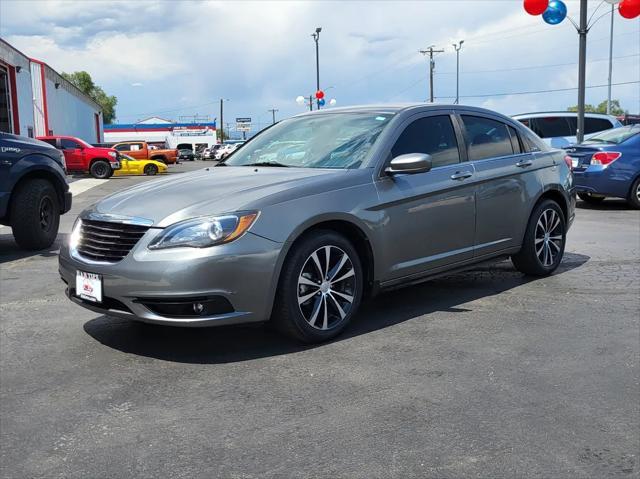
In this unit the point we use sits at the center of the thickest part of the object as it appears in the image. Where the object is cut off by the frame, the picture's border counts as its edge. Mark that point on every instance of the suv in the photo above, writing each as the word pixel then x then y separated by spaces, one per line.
pixel 33 190
pixel 81 157
pixel 315 213
pixel 558 129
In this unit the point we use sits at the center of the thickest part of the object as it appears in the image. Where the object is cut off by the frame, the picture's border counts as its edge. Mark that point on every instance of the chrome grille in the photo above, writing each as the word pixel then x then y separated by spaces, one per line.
pixel 106 241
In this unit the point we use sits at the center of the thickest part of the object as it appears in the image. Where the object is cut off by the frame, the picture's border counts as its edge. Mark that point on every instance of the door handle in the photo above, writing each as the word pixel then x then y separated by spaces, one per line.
pixel 524 163
pixel 461 175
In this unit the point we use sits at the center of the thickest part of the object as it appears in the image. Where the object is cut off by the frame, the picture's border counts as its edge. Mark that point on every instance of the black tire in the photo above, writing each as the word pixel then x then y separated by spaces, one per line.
pixel 100 169
pixel 150 170
pixel 592 200
pixel 328 309
pixel 542 229
pixel 35 214
pixel 634 195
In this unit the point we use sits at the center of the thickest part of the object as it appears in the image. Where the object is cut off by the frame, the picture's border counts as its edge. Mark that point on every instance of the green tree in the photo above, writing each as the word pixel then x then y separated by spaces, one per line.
pixel 85 83
pixel 616 109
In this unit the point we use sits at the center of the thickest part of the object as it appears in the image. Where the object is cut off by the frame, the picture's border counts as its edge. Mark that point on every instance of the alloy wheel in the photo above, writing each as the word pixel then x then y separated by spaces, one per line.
pixel 326 287
pixel 548 237
pixel 638 192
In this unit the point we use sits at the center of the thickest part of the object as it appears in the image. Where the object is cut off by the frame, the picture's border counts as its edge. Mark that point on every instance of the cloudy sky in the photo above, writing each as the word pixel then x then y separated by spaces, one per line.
pixel 175 58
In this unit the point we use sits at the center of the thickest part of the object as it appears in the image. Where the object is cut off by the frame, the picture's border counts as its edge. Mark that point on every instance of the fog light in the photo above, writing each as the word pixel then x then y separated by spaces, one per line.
pixel 198 308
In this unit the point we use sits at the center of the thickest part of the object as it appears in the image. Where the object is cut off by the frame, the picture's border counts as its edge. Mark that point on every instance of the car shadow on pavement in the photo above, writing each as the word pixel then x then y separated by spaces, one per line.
pixel 609 204
pixel 10 251
pixel 246 342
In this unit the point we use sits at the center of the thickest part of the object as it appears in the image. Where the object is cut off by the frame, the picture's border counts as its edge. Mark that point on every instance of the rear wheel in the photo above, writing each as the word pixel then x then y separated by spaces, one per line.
pixel 590 198
pixel 35 215
pixel 544 241
pixel 150 170
pixel 320 288
pixel 100 169
pixel 634 194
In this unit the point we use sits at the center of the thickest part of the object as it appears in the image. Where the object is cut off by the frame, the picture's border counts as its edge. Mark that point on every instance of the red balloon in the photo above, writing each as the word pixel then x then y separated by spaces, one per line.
pixel 319 94
pixel 536 7
pixel 629 8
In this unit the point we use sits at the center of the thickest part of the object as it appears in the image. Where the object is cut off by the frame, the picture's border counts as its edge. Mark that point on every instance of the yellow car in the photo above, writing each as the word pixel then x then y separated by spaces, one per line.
pixel 131 166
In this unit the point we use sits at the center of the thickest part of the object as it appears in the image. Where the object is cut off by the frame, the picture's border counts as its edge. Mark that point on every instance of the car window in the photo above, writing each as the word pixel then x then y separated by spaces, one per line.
pixel 594 125
pixel 515 142
pixel 68 144
pixel 122 147
pixel 486 138
pixel 552 126
pixel 433 135
pixel 51 141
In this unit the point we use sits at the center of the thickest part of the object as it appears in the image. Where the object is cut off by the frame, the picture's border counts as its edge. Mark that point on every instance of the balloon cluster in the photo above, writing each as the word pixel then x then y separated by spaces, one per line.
pixel 555 11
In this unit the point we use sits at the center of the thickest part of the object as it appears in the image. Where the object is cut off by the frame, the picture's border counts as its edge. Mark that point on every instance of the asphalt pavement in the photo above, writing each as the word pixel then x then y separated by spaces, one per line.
pixel 483 374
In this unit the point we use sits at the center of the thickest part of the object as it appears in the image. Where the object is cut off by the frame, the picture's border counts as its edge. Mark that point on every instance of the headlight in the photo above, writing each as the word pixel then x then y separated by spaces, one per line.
pixel 74 239
pixel 204 231
pixel 113 154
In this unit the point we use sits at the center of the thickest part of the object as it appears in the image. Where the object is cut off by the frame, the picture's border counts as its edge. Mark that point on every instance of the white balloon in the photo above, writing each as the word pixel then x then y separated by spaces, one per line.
pixel 300 100
pixel 613 2
pixel 332 102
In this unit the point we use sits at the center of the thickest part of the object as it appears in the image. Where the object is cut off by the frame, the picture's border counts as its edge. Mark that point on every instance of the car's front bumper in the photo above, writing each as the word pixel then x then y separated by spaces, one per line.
pixel 242 272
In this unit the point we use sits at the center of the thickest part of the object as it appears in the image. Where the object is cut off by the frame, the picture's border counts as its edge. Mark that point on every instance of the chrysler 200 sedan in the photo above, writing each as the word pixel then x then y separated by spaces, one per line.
pixel 320 211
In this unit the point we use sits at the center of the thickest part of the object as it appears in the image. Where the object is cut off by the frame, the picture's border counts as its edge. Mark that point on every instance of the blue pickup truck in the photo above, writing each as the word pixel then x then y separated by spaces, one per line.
pixel 33 190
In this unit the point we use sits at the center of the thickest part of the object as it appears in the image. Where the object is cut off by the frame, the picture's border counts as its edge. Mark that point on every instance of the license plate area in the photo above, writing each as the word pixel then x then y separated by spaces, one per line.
pixel 89 286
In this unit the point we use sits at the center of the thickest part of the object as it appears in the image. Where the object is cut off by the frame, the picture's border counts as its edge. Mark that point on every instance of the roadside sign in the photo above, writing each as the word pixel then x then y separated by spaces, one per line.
pixel 243 124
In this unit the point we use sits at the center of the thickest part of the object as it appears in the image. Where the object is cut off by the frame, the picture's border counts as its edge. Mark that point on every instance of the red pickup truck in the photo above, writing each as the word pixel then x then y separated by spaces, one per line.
pixel 80 156
pixel 141 150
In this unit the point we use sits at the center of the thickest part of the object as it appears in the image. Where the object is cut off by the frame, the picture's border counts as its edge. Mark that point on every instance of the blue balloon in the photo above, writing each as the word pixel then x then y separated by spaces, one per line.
pixel 321 102
pixel 555 12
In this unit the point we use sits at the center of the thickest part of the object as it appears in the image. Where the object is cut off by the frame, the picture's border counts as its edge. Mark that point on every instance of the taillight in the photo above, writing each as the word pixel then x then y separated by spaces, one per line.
pixel 569 161
pixel 605 158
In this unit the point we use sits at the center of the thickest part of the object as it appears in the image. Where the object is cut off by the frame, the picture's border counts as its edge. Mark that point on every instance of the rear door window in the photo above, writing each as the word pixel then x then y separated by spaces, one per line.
pixel 552 127
pixel 593 125
pixel 68 144
pixel 486 138
pixel 515 142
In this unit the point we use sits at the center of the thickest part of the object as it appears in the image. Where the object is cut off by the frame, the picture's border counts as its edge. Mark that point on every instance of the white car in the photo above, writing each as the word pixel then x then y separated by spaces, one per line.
pixel 558 128
pixel 226 149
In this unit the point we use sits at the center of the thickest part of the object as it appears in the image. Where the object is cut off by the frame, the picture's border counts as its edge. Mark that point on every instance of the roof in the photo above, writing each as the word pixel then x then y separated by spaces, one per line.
pixel 397 107
pixel 539 114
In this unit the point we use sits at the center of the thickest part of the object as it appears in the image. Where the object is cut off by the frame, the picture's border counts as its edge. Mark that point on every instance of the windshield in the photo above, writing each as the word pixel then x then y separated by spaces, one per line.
pixel 83 143
pixel 333 140
pixel 615 136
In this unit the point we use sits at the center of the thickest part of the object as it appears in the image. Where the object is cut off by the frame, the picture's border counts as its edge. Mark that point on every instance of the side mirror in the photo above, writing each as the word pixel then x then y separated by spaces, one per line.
pixel 411 163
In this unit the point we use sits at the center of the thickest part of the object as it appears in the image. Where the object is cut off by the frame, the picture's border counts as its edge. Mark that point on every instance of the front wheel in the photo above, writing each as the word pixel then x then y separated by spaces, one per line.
pixel 544 241
pixel 150 170
pixel 634 194
pixel 100 169
pixel 35 215
pixel 320 288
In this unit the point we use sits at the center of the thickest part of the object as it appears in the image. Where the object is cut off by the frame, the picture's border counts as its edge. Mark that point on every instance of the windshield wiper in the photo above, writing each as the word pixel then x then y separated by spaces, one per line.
pixel 267 163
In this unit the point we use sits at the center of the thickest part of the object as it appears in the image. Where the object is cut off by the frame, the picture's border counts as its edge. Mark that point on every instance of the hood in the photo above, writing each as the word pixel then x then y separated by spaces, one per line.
pixel 217 190
pixel 102 150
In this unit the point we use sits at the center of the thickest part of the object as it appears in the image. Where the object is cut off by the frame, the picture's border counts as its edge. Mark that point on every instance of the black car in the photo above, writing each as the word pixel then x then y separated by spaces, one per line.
pixel 33 190
pixel 186 155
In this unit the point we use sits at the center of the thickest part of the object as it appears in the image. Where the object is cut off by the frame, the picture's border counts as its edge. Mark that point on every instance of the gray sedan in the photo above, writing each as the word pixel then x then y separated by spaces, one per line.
pixel 320 211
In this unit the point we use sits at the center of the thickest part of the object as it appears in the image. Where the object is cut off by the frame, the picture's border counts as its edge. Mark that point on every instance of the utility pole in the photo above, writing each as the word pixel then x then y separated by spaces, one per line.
pixel 273 114
pixel 432 67
pixel 316 37
pixel 610 61
pixel 221 120
pixel 582 69
pixel 458 47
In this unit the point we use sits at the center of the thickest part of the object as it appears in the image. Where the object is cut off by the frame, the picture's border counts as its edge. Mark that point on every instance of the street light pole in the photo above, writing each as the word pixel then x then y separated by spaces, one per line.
pixel 582 69
pixel 316 37
pixel 221 120
pixel 457 48
pixel 610 62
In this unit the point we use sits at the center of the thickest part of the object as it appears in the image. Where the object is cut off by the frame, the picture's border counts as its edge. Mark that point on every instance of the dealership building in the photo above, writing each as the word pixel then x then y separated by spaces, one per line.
pixel 164 133
pixel 35 100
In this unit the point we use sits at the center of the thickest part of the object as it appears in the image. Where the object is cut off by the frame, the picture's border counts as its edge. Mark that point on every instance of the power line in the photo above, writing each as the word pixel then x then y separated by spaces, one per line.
pixel 488 95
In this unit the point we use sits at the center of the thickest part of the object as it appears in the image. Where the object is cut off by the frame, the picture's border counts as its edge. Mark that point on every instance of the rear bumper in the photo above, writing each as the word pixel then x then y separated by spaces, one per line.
pixel 602 181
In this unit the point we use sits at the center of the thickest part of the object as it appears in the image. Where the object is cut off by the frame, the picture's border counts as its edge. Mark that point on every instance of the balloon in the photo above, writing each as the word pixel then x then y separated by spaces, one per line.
pixel 319 94
pixel 555 12
pixel 629 8
pixel 321 102
pixel 300 100
pixel 333 102
pixel 536 7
